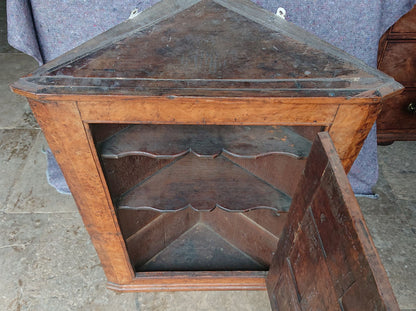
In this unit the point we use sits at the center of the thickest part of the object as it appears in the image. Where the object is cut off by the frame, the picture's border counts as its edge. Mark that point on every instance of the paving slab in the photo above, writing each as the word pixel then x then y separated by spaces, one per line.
pixel 31 192
pixel 392 224
pixel 395 239
pixel 397 161
pixel 47 262
pixel 14 109
pixel 16 65
pixel 15 146
pixel 225 300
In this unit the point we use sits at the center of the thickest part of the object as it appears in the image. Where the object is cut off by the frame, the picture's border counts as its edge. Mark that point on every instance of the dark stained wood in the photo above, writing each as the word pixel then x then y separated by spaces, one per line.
pixel 268 219
pixel 399 60
pixel 244 233
pixel 218 88
pixel 302 198
pixel 149 233
pixel 167 141
pixel 201 249
pixel 196 51
pixel 203 184
pixel 285 287
pixel 308 268
pixel 151 239
pixel 123 174
pixel 325 249
pixel 101 132
pixel 397 121
pixel 406 24
pixel 308 132
pixel 397 57
pixel 182 53
pixel 281 171
pixel 132 221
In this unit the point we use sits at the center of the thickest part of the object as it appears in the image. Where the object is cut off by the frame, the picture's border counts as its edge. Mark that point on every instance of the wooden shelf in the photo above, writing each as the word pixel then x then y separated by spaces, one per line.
pixel 170 141
pixel 205 240
pixel 203 184
pixel 199 249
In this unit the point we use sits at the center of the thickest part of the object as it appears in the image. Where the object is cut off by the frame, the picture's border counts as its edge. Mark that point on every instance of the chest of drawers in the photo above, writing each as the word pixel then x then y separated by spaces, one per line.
pixel 397 57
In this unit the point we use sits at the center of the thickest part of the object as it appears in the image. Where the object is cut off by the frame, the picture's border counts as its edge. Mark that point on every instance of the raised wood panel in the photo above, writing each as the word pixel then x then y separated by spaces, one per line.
pixel 308 266
pixel 326 248
pixel 399 61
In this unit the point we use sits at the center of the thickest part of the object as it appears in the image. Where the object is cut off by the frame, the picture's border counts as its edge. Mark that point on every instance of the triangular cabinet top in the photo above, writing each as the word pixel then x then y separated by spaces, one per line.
pixel 209 48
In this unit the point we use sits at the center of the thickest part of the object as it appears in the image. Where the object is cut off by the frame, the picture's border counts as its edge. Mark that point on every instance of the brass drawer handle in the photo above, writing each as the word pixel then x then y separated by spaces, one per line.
pixel 412 108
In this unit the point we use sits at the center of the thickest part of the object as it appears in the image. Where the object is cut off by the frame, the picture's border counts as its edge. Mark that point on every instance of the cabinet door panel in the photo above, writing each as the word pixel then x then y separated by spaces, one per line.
pixel 326 259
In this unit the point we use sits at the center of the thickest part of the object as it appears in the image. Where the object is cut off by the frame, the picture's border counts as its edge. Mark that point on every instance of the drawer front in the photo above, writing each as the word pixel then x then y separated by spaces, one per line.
pixel 399 61
pixel 399 112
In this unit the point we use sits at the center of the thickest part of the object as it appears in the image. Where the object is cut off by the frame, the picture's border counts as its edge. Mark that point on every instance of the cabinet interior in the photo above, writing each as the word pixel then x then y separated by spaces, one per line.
pixel 201 197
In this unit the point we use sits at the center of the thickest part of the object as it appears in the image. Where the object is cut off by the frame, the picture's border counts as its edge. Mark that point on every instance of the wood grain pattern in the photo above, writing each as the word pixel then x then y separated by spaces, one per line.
pixel 89 192
pixel 226 111
pixel 349 130
pixel 190 281
pixel 326 248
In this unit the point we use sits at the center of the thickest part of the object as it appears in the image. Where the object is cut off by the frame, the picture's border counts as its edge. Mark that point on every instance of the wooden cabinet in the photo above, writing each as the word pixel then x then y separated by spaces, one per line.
pixel 397 57
pixel 186 137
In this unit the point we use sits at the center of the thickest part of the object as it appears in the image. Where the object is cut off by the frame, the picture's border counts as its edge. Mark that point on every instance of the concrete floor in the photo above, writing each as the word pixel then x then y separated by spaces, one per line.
pixel 47 261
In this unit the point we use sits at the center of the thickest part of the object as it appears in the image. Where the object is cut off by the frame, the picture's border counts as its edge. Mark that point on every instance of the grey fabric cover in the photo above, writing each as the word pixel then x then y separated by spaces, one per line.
pixel 46 29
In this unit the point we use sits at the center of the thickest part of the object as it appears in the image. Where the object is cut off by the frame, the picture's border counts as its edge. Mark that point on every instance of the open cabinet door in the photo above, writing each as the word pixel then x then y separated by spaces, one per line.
pixel 326 259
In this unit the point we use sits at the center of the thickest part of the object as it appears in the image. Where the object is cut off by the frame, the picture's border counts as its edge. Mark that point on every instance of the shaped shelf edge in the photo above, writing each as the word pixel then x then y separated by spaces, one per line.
pixel 204 184
pixel 171 141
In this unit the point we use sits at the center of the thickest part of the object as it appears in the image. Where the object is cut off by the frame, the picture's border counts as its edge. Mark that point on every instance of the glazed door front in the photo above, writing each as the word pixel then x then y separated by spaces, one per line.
pixel 326 259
